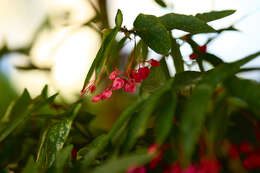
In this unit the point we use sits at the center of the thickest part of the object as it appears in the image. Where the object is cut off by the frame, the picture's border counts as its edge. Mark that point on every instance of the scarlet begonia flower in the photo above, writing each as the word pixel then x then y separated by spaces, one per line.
pixel 106 93
pixel 130 87
pixel 233 151
pixel 209 166
pixel 144 72
pixel 118 83
pixel 252 161
pixel 191 169
pixel 113 75
pixel 137 77
pixel 153 149
pixel 203 49
pixel 92 88
pixel 154 63
pixel 155 161
pixel 193 56
pixel 97 98
pixel 246 148
pixel 74 154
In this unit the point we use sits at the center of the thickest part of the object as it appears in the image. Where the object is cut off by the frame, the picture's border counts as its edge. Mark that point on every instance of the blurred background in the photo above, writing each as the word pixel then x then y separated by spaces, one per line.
pixel 52 41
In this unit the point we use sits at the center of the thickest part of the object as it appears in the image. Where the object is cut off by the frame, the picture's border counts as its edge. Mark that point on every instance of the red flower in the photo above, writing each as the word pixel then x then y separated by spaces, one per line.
pixel 118 83
pixel 113 75
pixel 191 169
pixel 203 49
pixel 137 77
pixel 97 98
pixel 135 169
pixel 74 154
pixel 193 56
pixel 130 87
pixel 106 93
pixel 246 148
pixel 154 63
pixel 233 151
pixel 153 149
pixel 144 72
pixel 209 166
pixel 252 161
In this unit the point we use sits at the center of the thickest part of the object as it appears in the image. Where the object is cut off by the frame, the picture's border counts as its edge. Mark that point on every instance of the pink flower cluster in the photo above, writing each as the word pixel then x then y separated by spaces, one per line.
pixel 125 80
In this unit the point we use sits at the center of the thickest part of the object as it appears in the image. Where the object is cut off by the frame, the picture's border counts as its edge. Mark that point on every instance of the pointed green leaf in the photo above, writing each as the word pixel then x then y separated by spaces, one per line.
pixel 99 144
pixel 141 51
pixel 130 110
pixel 153 33
pixel 214 15
pixel 139 125
pixel 186 23
pixel 161 3
pixel 120 165
pixel 176 55
pixel 196 108
pixel 102 54
pixel 246 90
pixel 193 119
pixel 212 59
pixel 55 139
pixel 119 18
pixel 165 119
pixel 31 166
pixel 158 76
pixel 63 156
pixel 15 115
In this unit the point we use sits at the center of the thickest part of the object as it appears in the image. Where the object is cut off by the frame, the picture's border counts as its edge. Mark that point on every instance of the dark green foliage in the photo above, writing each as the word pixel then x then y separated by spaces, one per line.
pixel 153 33
pixel 186 23
pixel 214 15
pixel 190 117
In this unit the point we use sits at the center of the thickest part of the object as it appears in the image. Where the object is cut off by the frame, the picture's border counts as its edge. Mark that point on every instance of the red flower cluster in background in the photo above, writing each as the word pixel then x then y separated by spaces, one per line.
pixel 126 80
pixel 205 165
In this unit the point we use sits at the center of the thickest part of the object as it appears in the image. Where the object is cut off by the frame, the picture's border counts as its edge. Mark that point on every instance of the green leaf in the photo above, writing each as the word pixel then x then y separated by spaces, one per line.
pixel 19 111
pixel 141 51
pixel 176 55
pixel 196 108
pixel 130 110
pixel 161 3
pixel 44 92
pixel 164 120
pixel 186 79
pixel 212 59
pixel 121 164
pixel 223 71
pixel 153 33
pixel 218 121
pixel 101 56
pixel 119 18
pixel 214 15
pixel 95 148
pixel 158 76
pixel 193 119
pixel 186 23
pixel 246 90
pixel 62 158
pixel 31 166
pixel 139 125
pixel 55 139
